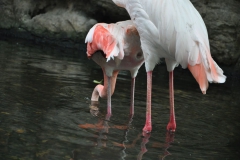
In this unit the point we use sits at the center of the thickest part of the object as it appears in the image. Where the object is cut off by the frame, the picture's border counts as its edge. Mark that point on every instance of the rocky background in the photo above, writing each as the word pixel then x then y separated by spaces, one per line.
pixel 66 22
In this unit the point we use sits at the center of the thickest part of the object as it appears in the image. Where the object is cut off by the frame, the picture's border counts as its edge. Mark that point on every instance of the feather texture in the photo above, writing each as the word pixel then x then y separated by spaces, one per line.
pixel 109 38
pixel 120 44
pixel 174 30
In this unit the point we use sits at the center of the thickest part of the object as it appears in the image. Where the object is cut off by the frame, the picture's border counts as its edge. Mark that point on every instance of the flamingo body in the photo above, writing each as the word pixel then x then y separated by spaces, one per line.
pixel 114 47
pixel 174 30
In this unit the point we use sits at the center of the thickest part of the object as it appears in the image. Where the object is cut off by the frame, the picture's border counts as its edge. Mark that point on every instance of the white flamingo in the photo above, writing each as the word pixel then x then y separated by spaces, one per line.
pixel 174 30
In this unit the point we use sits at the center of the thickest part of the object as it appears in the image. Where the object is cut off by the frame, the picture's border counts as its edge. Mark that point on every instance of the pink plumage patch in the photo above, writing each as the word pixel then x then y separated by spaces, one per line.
pixel 102 40
pixel 199 74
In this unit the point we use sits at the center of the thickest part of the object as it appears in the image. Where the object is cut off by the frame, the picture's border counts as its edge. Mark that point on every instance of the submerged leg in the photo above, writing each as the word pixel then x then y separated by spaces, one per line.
pixel 172 123
pixel 109 94
pixel 132 97
pixel 105 91
pixel 148 125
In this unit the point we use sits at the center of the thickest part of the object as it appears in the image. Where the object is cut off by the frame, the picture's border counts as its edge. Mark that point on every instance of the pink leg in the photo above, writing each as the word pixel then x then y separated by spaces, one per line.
pixel 132 97
pixel 109 108
pixel 148 125
pixel 172 123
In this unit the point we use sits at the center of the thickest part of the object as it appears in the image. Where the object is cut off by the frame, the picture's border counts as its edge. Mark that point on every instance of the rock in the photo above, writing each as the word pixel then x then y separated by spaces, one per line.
pixel 69 20
pixel 61 23
pixel 46 19
pixel 222 19
pixel 235 82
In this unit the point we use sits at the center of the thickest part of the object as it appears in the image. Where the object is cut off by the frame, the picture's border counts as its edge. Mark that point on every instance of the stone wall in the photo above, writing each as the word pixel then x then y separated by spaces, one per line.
pixel 69 20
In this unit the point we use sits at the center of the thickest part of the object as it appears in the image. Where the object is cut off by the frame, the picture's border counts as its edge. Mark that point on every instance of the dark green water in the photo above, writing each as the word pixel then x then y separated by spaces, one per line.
pixel 44 104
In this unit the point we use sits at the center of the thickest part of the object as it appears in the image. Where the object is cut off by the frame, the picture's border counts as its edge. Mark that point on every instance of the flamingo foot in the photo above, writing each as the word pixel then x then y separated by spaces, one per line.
pixel 108 116
pixel 147 128
pixel 146 134
pixel 171 127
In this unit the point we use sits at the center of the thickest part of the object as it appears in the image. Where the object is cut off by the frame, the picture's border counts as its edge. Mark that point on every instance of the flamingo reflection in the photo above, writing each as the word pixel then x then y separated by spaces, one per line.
pixel 165 146
pixel 168 141
pixel 102 127
pixel 145 139
pixel 124 145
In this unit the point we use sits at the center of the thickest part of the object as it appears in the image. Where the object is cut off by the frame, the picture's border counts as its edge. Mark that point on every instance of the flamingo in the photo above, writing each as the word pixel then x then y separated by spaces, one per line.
pixel 114 47
pixel 174 30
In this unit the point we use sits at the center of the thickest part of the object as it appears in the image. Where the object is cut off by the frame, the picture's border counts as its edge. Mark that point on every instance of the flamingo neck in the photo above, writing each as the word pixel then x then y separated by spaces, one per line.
pixel 101 90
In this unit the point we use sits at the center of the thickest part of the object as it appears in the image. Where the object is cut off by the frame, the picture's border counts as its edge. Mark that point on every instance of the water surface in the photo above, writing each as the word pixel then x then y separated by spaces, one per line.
pixel 44 111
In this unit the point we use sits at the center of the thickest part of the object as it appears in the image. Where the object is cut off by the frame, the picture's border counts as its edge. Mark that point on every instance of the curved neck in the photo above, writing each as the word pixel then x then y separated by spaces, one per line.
pixel 101 90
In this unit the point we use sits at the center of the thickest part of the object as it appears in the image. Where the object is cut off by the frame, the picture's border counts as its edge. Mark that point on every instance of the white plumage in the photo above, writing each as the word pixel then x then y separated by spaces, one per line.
pixel 171 29
pixel 174 30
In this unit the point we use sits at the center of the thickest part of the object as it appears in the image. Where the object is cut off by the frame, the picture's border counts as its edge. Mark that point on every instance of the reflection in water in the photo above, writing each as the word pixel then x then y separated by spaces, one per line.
pixel 102 129
pixel 165 146
pixel 102 126
pixel 145 140
pixel 44 96
pixel 124 155
pixel 169 140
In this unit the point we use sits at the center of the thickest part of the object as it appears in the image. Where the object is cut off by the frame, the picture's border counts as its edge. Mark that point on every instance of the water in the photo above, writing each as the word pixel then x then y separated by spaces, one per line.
pixel 45 115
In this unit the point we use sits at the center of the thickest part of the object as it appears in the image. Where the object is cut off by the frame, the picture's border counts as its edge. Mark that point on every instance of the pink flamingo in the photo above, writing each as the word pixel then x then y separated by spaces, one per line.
pixel 114 47
pixel 174 30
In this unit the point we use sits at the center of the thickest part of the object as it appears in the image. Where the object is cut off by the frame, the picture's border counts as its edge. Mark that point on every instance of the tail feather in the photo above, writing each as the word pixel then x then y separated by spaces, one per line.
pixel 198 72
pixel 204 74
pixel 215 71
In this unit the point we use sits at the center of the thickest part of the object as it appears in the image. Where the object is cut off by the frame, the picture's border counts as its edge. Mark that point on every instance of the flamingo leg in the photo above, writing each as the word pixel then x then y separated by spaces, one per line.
pixel 132 97
pixel 172 123
pixel 148 125
pixel 109 94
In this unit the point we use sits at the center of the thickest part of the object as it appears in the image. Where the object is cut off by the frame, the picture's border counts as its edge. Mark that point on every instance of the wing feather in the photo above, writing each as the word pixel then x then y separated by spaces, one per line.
pixel 107 37
pixel 182 34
